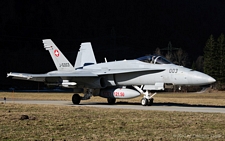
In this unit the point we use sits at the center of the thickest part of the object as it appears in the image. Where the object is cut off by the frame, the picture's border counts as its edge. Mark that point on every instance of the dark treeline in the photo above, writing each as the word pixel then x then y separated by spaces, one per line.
pixel 117 30
pixel 214 58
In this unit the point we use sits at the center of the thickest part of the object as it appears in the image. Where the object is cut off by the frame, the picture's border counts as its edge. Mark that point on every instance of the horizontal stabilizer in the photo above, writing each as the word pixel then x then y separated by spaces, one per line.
pixel 41 77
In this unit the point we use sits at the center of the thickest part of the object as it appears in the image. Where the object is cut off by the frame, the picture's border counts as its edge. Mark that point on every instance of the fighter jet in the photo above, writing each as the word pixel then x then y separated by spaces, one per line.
pixel 116 79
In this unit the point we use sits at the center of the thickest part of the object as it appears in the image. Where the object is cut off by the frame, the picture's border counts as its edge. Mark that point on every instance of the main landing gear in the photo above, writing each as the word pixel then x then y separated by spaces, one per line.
pixel 111 101
pixel 76 98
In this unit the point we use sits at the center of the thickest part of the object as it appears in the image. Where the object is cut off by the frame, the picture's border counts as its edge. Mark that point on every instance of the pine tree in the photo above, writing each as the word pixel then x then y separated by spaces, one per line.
pixel 180 57
pixel 158 51
pixel 199 63
pixel 221 54
pixel 209 58
pixel 193 66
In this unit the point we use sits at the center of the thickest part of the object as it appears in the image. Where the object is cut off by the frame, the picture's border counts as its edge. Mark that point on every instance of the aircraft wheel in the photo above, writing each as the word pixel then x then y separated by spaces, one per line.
pixel 150 102
pixel 76 99
pixel 144 101
pixel 111 100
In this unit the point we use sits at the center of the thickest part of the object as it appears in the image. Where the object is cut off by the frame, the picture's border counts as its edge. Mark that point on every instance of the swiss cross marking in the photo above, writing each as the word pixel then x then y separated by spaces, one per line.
pixel 56 52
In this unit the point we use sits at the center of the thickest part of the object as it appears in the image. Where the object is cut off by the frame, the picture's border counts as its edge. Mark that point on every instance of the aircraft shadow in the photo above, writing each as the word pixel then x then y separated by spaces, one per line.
pixel 186 105
pixel 157 104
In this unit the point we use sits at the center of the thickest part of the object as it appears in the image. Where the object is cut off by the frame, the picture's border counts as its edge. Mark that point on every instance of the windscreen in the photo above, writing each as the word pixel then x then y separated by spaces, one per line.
pixel 154 59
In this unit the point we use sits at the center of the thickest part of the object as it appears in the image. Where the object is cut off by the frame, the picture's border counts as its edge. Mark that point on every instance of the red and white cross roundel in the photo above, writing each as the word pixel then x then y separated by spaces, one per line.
pixel 56 52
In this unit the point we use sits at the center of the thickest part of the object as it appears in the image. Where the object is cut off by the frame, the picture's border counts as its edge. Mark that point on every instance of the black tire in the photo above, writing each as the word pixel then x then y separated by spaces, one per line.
pixel 150 102
pixel 144 101
pixel 76 99
pixel 111 100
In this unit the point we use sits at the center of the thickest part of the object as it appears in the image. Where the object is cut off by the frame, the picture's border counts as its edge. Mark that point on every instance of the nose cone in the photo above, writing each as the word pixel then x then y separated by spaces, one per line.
pixel 198 78
pixel 211 80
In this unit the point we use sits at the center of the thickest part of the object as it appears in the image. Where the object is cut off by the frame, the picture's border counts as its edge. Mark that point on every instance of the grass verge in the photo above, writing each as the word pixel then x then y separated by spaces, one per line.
pixel 47 122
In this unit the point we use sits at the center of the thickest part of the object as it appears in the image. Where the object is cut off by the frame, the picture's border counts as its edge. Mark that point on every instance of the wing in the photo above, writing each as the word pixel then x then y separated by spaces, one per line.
pixel 84 73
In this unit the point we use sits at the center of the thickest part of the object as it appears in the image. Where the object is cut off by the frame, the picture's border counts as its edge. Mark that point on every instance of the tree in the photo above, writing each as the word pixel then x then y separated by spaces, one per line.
pixel 158 51
pixel 169 56
pixel 180 57
pixel 209 59
pixel 221 56
pixel 193 66
pixel 199 63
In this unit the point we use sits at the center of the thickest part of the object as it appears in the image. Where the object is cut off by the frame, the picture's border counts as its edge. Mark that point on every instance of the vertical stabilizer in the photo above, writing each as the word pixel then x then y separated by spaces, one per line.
pixel 61 63
pixel 85 56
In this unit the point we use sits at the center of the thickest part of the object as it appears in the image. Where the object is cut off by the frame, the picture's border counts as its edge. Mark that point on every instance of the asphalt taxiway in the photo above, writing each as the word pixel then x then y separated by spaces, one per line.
pixel 135 106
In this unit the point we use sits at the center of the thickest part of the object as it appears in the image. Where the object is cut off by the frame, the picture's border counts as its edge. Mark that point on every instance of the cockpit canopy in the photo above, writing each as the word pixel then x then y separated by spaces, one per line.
pixel 154 59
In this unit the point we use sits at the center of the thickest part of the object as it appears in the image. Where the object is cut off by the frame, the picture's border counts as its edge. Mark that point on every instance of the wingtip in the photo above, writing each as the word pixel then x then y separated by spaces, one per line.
pixel 8 74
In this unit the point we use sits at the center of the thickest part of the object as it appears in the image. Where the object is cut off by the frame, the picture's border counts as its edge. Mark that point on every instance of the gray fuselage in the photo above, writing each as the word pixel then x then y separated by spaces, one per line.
pixel 167 74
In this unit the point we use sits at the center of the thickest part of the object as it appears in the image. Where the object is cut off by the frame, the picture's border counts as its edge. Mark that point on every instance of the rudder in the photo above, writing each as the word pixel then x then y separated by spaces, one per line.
pixel 85 56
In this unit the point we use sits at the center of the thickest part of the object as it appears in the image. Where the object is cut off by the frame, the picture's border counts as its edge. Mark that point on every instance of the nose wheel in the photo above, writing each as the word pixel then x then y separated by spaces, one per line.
pixel 150 101
pixel 144 101
pixel 147 102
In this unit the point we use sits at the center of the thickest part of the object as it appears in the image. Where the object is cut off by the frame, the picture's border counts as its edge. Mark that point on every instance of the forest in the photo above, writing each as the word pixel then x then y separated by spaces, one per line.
pixel 116 29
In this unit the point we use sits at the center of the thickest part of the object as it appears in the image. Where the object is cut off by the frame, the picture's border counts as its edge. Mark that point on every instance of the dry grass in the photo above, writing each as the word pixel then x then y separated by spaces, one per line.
pixel 85 123
pixel 36 96
pixel 214 98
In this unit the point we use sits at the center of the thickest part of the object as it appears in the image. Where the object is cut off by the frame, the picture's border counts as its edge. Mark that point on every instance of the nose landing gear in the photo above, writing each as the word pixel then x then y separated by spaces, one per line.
pixel 148 99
